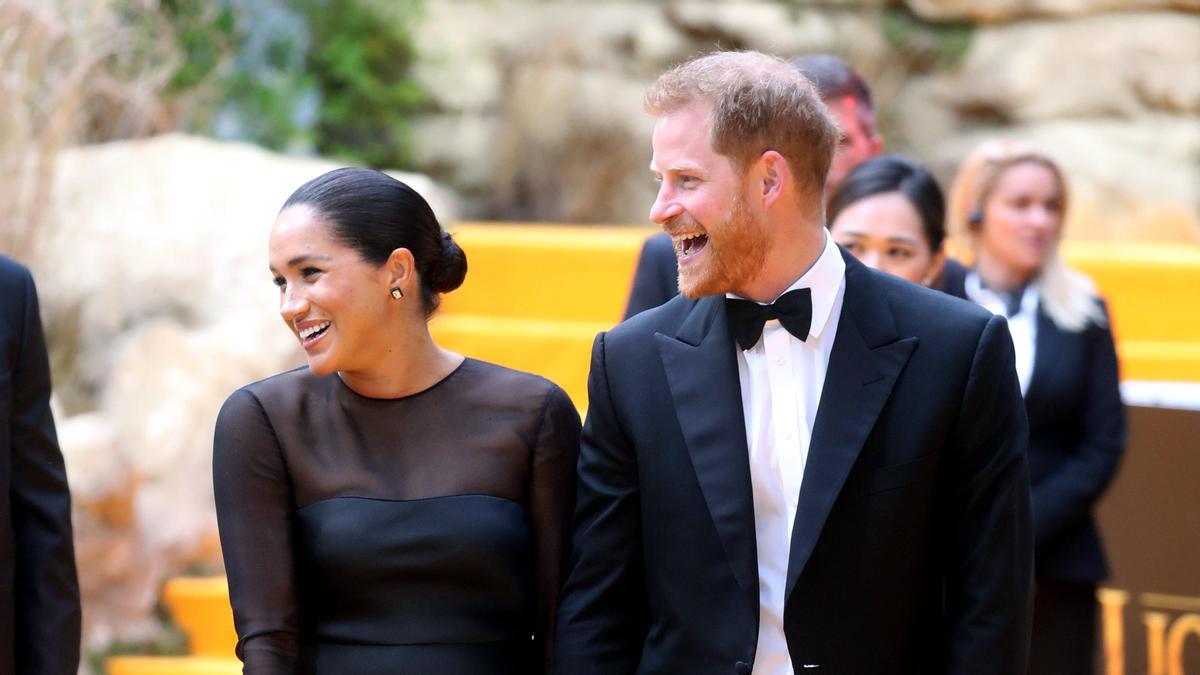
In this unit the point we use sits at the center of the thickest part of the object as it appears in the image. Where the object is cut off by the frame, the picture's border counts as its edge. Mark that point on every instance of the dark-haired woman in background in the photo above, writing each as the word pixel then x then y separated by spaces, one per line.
pixel 391 507
pixel 1008 203
pixel 889 212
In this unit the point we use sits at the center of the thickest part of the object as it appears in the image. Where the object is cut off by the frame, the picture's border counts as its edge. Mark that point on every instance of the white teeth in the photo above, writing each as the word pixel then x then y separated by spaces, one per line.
pixel 304 333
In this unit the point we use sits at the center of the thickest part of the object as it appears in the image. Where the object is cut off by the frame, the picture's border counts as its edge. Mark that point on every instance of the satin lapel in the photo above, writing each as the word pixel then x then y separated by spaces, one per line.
pixel 701 368
pixel 866 360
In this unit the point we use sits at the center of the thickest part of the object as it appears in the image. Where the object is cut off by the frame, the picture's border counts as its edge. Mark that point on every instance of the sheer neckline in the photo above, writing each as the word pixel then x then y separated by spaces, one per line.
pixel 341 384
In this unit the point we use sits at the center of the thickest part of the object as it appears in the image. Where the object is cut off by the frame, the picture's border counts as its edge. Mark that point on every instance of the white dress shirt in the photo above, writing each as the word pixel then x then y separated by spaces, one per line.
pixel 1022 325
pixel 781 379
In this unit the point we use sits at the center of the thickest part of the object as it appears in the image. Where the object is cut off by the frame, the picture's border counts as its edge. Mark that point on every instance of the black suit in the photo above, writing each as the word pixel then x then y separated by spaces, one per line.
pixel 912 545
pixel 656 279
pixel 1076 437
pixel 39 592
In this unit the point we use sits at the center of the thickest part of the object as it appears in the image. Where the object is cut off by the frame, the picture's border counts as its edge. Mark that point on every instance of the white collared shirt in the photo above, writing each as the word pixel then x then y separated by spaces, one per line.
pixel 781 379
pixel 1022 326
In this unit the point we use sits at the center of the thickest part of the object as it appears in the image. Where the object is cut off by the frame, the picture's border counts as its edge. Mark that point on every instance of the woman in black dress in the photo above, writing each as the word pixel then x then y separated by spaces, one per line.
pixel 1008 202
pixel 392 507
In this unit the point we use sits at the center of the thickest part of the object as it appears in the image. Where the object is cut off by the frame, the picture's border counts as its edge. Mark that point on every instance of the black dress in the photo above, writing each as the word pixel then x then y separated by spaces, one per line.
pixel 423 534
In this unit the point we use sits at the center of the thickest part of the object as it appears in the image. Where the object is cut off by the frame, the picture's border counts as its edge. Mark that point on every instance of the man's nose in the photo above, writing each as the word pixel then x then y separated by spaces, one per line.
pixel 664 207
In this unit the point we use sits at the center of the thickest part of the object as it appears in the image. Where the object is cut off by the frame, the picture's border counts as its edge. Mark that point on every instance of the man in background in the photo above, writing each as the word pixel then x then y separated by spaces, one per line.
pixel 846 95
pixel 39 589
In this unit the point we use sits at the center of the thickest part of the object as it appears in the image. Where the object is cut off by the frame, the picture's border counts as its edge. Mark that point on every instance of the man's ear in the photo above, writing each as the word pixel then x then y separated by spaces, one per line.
pixel 774 176
pixel 400 270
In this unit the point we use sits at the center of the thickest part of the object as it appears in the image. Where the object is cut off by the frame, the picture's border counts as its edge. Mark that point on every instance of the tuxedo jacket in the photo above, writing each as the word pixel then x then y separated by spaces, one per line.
pixel 39 591
pixel 911 550
pixel 1077 434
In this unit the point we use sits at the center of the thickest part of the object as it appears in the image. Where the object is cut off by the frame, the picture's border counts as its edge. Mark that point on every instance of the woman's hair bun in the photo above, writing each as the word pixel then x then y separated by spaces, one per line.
pixel 450 269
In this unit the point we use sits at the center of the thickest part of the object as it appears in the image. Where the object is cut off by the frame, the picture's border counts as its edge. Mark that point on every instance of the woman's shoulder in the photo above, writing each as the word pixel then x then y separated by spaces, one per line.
pixel 494 373
pixel 508 384
pixel 277 389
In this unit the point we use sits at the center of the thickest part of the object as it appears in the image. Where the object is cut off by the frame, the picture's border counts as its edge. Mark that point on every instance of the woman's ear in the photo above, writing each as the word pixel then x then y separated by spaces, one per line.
pixel 400 271
pixel 934 274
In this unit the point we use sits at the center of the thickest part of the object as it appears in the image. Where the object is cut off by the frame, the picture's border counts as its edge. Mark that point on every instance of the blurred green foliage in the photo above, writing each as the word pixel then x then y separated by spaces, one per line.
pixel 925 45
pixel 327 76
pixel 362 65
pixel 204 33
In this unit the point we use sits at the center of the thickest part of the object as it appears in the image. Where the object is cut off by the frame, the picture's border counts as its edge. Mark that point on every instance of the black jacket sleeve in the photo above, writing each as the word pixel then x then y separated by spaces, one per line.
pixel 988 509
pixel 45 591
pixel 600 626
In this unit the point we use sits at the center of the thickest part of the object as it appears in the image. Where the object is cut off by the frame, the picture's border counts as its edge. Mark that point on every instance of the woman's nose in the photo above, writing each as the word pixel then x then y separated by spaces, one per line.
pixel 292 304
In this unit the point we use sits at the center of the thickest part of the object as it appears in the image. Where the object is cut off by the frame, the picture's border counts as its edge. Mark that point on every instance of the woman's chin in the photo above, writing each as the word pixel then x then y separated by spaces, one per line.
pixel 320 366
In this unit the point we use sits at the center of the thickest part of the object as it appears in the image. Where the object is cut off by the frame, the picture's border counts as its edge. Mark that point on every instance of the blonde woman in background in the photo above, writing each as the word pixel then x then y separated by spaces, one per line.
pixel 1007 205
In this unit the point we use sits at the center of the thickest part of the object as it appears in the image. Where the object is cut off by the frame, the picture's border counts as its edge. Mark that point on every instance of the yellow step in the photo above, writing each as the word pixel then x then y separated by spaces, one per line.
pixel 557 350
pixel 1150 288
pixel 199 606
pixel 1159 361
pixel 552 272
pixel 171 665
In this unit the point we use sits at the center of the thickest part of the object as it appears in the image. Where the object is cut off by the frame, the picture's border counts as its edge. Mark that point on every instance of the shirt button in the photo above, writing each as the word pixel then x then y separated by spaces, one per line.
pixel 779 360
pixel 787 435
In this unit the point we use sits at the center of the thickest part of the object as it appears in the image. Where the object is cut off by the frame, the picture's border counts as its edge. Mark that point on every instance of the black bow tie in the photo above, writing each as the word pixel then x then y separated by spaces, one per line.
pixel 746 318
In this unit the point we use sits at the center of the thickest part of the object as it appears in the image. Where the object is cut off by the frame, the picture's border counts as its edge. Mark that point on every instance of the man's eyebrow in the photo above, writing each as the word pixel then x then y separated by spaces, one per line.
pixel 681 166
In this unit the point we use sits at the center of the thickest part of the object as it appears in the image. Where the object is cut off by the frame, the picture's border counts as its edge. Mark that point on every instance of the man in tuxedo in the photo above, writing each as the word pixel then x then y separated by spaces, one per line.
pixel 39 590
pixel 846 95
pixel 801 464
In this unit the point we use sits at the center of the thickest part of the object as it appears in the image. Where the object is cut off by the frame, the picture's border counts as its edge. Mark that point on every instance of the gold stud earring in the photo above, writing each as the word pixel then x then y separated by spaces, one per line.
pixel 397 294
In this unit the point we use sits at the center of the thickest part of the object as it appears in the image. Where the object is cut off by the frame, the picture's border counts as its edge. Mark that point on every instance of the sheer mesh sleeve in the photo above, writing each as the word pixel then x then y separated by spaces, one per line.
pixel 552 500
pixel 255 514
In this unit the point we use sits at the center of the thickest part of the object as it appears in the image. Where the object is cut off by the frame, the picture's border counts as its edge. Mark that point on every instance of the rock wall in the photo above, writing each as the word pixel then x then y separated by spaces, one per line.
pixel 537 105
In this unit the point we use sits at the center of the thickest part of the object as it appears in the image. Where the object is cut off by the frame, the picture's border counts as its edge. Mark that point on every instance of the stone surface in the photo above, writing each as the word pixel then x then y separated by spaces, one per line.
pixel 1127 180
pixel 542 120
pixel 118 575
pixel 574 148
pixel 1007 10
pixel 1103 66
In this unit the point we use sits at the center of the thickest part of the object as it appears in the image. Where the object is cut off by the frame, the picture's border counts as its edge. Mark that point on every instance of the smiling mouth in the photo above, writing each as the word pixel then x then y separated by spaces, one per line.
pixel 688 245
pixel 313 333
